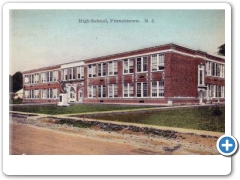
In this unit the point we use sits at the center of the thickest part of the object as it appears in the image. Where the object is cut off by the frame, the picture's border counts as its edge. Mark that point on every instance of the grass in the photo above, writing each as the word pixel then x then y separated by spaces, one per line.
pixel 210 118
pixel 81 108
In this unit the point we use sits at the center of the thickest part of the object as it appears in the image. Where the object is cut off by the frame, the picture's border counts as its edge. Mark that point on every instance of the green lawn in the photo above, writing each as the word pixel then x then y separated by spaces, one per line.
pixel 81 108
pixel 210 118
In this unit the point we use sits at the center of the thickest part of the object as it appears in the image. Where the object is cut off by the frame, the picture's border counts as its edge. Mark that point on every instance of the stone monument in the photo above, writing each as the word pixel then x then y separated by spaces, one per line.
pixel 63 99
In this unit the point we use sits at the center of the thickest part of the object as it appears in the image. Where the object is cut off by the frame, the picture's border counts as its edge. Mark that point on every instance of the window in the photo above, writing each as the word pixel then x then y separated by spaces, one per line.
pixel 142 90
pixel 43 77
pixel 209 68
pixel 218 91
pixel 55 76
pixel 47 76
pixel 221 70
pixel 128 90
pixel 128 66
pixel 31 78
pixel 92 70
pixel 31 94
pixel 55 93
pixel 154 89
pixel 50 76
pixel 142 64
pixel 49 93
pixel 222 91
pixel 201 75
pixel 157 88
pixel 112 68
pixel 102 69
pixel 26 79
pixel 36 93
pixel 91 91
pixel 27 94
pixel 215 69
pixel 157 62
pixel 44 94
pixel 112 90
pixel 65 75
pixel 218 70
pixel 212 90
pixel 36 78
pixel 72 73
pixel 215 91
pixel 101 91
pixel 80 72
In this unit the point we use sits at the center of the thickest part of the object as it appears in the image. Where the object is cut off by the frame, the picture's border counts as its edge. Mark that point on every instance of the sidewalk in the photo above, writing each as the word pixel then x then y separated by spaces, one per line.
pixel 180 130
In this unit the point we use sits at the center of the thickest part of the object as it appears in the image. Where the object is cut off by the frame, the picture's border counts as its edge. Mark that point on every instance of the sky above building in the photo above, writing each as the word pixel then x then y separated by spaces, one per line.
pixel 40 38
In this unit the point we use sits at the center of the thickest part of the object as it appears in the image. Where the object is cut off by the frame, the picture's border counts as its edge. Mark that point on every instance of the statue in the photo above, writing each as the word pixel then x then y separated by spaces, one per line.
pixel 63 86
pixel 63 97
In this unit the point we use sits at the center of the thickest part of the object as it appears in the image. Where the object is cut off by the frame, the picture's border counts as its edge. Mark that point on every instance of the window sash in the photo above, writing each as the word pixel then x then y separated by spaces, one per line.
pixel 128 90
pixel 36 93
pixel 139 65
pixel 115 67
pixel 112 68
pixel 142 89
pixel 102 91
pixel 157 89
pixel 128 66
pixel 157 62
pixel 80 72
pixel 92 91
pixel 110 90
pixel 27 94
pixel 26 79
pixel 92 70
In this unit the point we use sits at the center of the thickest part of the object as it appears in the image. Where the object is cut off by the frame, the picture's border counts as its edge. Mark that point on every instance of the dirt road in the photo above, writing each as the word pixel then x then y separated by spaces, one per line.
pixel 36 135
pixel 29 140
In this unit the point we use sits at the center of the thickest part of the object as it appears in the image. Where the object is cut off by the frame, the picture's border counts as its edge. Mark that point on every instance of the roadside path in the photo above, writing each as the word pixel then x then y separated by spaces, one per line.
pixel 180 130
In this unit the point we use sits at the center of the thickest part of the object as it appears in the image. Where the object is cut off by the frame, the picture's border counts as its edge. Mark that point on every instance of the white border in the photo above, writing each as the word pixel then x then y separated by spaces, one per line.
pixel 106 165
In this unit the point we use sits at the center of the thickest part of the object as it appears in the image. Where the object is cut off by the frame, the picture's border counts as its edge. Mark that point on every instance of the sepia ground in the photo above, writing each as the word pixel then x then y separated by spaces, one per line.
pixel 46 138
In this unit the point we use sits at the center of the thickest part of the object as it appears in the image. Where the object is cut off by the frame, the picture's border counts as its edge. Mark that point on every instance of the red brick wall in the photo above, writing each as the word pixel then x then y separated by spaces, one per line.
pixel 120 73
pixel 43 86
pixel 181 74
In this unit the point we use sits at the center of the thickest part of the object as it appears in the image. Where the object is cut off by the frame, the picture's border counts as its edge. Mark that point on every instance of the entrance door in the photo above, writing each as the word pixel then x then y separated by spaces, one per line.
pixel 80 93
pixel 72 94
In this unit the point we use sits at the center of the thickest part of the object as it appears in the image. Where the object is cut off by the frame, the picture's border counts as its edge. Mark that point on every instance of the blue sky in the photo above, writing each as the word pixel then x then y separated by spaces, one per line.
pixel 41 38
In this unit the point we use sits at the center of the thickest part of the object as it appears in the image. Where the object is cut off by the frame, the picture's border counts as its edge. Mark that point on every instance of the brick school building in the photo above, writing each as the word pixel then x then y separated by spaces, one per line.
pixel 166 74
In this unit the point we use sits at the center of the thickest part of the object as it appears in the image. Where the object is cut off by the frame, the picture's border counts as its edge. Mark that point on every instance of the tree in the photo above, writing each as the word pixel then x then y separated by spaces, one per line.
pixel 221 50
pixel 16 82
